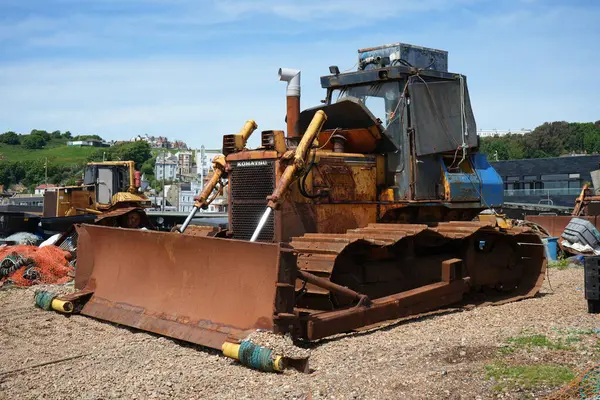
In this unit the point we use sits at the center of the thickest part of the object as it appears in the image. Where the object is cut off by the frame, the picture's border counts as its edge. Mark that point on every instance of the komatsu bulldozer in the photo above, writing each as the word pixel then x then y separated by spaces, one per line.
pixel 109 191
pixel 364 212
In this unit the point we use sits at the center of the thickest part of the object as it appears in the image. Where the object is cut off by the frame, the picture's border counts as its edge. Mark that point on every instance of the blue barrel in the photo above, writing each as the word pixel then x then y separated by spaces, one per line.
pixel 551 248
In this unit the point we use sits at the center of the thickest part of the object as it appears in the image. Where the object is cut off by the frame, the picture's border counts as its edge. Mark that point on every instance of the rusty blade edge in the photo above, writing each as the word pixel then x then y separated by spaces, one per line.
pixel 203 335
pixel 183 320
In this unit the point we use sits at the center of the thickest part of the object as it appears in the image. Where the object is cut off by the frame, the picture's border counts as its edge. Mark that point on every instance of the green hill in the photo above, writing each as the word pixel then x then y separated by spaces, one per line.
pixel 41 144
pixel 55 151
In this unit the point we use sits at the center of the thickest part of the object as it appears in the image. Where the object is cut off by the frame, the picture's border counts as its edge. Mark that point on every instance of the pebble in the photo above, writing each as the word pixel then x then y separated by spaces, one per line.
pixel 401 360
pixel 282 345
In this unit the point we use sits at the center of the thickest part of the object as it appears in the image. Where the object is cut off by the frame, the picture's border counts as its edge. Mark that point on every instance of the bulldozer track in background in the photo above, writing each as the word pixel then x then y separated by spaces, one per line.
pixel 318 252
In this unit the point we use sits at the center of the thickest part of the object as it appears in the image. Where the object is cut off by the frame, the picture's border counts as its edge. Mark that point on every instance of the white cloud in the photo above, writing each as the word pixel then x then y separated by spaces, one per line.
pixel 522 69
pixel 334 10
pixel 78 26
pixel 190 99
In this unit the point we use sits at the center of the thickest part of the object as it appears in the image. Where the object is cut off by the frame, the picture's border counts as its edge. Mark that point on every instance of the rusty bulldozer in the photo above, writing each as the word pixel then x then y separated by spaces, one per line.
pixel 365 212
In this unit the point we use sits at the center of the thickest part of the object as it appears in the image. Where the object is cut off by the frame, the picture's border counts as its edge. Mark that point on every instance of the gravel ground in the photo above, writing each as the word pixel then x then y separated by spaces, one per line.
pixel 442 356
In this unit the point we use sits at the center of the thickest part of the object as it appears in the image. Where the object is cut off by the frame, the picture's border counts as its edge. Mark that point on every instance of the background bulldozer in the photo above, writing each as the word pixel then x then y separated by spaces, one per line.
pixel 362 213
pixel 109 191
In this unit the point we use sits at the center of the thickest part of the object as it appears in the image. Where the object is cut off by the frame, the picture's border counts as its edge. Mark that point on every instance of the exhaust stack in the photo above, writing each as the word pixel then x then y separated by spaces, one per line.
pixel 292 77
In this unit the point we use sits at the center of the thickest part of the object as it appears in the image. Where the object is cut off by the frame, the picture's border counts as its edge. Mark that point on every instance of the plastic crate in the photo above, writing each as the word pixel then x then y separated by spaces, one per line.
pixel 592 283
pixel 581 231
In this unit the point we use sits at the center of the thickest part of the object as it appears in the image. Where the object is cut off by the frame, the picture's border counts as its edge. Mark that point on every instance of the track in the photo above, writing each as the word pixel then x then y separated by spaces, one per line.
pixel 383 259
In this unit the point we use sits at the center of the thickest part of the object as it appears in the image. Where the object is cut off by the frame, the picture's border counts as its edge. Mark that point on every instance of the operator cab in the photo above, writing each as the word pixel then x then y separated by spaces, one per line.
pixel 408 88
pixel 109 180
pixel 424 123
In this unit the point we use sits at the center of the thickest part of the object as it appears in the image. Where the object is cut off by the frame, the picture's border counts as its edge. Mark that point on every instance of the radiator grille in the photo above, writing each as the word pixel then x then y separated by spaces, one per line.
pixel 250 183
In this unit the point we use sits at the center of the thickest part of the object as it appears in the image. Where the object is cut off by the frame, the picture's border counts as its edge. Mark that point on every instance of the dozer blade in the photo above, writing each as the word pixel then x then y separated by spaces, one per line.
pixel 192 288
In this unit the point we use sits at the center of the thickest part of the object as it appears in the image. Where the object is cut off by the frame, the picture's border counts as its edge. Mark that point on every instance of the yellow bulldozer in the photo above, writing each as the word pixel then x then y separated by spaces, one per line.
pixel 110 190
pixel 366 211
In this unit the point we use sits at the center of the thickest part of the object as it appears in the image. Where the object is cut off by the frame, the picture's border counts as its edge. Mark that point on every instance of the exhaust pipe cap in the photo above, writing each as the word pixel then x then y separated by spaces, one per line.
pixel 292 77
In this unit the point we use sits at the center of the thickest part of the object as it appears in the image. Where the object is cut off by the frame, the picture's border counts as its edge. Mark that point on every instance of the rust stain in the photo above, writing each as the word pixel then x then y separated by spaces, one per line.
pixel 186 278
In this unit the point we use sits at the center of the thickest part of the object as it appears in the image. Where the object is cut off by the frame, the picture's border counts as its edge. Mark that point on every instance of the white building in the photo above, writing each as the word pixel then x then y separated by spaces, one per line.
pixel 204 159
pixel 187 192
pixel 41 189
pixel 157 203
pixel 501 132
pixel 165 167
pixel 88 143
pixel 218 205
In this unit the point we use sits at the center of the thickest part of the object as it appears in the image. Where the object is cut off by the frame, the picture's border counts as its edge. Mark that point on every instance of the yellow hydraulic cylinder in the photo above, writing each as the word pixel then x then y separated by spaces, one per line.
pixel 249 127
pixel 62 306
pixel 300 155
pixel 231 350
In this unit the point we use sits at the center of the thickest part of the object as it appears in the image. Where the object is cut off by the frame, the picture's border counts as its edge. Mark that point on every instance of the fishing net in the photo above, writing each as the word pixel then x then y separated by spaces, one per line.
pixel 24 265
pixel 585 386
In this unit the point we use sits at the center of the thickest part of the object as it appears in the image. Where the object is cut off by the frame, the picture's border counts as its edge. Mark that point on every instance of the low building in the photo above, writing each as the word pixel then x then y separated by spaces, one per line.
pixel 553 181
pixel 501 132
pixel 187 192
pixel 161 142
pixel 178 144
pixel 88 143
pixel 218 205
pixel 157 203
pixel 26 200
pixel 165 167
pixel 41 189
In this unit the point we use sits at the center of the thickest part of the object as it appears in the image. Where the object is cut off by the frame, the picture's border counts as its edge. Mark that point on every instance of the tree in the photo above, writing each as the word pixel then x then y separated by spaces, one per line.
pixel 88 137
pixel 31 173
pixel 33 142
pixel 516 148
pixel 551 139
pixel 70 181
pixel 590 135
pixel 56 135
pixel 546 139
pixel 10 138
pixel 11 172
pixel 100 155
pixel 45 135
pixel 139 152
pixel 148 168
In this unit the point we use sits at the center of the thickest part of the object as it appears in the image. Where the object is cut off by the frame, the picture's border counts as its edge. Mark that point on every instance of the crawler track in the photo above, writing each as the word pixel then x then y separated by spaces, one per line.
pixel 384 259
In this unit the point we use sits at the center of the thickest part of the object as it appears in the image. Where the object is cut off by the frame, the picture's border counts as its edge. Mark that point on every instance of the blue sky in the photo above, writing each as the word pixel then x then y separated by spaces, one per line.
pixel 195 70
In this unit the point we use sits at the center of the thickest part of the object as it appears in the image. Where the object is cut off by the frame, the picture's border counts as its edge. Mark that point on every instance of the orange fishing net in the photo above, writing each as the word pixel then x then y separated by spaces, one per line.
pixel 585 386
pixel 29 265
